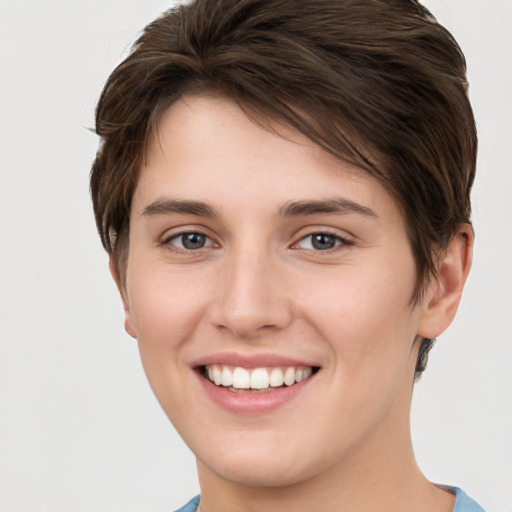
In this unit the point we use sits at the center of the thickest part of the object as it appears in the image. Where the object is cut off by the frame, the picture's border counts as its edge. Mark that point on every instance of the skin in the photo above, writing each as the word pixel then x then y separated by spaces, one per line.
pixel 260 286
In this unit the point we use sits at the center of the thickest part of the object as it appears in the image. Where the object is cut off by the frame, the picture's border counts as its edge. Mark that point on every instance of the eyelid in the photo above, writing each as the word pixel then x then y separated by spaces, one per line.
pixel 343 240
pixel 167 238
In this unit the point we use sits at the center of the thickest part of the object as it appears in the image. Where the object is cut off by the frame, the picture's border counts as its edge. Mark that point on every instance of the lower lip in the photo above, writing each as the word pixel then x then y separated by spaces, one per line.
pixel 252 403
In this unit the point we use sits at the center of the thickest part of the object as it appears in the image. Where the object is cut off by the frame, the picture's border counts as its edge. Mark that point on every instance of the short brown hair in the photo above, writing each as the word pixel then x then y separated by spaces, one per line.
pixel 380 84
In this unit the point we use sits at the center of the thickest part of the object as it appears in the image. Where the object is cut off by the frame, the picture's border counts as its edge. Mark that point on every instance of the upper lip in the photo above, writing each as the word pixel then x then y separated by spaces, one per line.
pixel 250 360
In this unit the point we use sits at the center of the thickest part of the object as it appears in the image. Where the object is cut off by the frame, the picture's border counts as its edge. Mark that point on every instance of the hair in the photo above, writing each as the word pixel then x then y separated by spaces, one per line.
pixel 377 83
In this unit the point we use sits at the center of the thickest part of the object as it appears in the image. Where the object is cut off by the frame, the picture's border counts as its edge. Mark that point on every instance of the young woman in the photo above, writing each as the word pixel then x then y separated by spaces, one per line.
pixel 283 188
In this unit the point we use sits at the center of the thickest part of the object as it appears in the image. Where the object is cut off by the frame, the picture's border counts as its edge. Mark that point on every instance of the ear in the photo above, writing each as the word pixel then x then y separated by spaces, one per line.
pixel 443 295
pixel 114 271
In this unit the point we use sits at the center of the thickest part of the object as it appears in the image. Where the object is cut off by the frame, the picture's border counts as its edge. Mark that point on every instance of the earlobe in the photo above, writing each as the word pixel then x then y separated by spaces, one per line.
pixel 114 272
pixel 445 290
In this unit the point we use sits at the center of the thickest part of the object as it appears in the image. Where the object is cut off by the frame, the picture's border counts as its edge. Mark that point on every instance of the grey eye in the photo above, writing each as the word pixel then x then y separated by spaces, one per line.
pixel 193 240
pixel 190 241
pixel 320 242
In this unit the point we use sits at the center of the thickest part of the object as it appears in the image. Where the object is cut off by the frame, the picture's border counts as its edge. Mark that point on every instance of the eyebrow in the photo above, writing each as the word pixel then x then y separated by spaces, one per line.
pixel 290 209
pixel 181 207
pixel 338 205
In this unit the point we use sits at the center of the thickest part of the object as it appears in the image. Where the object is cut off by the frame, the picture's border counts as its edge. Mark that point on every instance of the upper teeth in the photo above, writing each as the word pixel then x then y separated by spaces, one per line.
pixel 256 378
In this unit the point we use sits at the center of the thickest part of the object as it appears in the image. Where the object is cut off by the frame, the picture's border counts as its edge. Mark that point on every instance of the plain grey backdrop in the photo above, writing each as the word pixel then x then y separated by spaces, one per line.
pixel 79 427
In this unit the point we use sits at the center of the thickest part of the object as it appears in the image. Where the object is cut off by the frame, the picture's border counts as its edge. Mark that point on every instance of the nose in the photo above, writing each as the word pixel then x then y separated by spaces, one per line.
pixel 251 298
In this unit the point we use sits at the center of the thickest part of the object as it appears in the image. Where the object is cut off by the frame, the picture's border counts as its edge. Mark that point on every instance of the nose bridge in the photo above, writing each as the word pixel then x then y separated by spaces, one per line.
pixel 250 298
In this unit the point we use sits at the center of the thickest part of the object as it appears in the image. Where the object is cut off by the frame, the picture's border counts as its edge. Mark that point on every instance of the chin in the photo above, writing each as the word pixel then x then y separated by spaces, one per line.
pixel 256 473
pixel 251 466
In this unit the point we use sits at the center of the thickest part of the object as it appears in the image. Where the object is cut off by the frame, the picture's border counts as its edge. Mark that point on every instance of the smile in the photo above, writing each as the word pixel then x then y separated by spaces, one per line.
pixel 239 379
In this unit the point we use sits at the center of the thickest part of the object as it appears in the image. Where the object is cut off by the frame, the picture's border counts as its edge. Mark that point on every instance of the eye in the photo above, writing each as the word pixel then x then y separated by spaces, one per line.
pixel 189 241
pixel 321 242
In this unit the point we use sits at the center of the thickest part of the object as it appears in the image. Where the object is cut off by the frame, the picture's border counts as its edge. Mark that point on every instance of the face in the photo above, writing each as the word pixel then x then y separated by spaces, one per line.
pixel 269 287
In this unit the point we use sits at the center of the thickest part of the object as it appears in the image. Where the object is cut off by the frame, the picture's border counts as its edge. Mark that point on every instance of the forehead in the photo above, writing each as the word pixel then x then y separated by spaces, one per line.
pixel 207 148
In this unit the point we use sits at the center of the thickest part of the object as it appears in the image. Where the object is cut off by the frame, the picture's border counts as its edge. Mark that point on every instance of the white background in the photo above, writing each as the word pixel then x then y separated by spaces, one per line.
pixel 79 427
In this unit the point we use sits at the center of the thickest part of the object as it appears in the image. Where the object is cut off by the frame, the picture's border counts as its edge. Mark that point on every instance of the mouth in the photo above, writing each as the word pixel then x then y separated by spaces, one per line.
pixel 238 379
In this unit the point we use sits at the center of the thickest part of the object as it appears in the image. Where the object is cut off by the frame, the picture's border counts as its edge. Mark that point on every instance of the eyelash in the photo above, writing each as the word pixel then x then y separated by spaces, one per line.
pixel 339 241
pixel 168 242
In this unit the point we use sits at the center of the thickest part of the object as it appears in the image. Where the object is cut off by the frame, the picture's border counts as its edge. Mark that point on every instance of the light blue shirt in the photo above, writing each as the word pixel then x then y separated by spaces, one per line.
pixel 463 503
pixel 191 506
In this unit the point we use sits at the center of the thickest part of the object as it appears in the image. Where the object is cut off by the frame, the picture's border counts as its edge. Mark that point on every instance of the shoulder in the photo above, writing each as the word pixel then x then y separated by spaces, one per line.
pixel 463 503
pixel 191 506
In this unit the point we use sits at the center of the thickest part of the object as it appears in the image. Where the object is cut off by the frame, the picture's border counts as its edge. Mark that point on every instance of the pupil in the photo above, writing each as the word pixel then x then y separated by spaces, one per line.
pixel 321 241
pixel 193 240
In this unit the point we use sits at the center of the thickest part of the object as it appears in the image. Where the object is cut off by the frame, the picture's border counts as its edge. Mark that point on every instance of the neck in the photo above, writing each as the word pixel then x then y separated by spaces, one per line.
pixel 370 479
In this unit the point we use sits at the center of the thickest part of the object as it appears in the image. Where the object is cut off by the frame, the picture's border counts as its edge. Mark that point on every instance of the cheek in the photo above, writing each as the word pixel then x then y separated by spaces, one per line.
pixel 164 308
pixel 365 315
pixel 369 331
pixel 165 311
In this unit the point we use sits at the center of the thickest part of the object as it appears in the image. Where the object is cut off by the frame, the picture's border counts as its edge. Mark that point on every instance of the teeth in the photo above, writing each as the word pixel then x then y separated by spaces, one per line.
pixel 227 377
pixel 302 374
pixel 257 378
pixel 217 375
pixel 289 376
pixel 276 377
pixel 260 379
pixel 241 378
